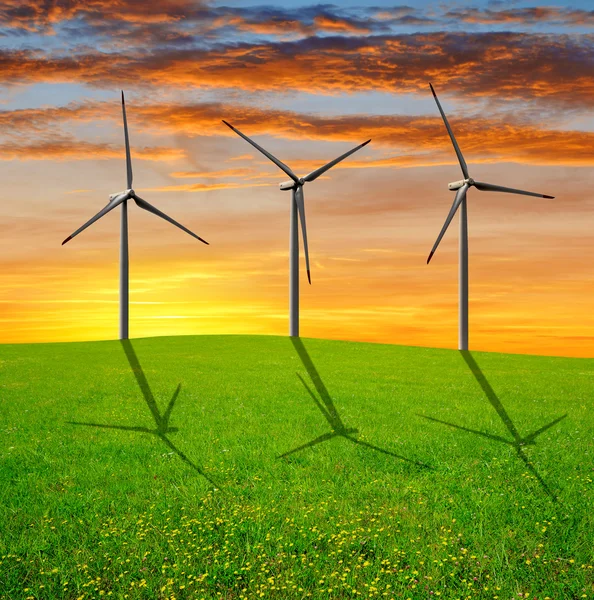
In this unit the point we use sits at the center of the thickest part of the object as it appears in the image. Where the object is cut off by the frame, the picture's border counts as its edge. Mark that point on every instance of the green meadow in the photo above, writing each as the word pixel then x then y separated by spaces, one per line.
pixel 269 467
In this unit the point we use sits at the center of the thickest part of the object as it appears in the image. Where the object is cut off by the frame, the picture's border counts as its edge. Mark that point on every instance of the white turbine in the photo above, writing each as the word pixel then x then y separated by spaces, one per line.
pixel 297 206
pixel 461 187
pixel 122 198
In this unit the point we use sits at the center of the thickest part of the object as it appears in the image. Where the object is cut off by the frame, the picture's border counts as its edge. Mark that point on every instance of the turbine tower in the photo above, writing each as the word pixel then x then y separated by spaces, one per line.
pixel 461 187
pixel 297 207
pixel 122 198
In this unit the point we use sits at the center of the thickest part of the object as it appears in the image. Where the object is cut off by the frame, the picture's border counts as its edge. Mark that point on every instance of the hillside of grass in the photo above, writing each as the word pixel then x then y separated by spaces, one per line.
pixel 271 467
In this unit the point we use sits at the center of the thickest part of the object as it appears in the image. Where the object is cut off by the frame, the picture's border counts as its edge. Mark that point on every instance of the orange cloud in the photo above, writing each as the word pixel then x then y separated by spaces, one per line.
pixel 336 24
pixel 203 187
pixel 423 140
pixel 481 140
pixel 240 172
pixel 39 119
pixel 31 15
pixel 170 19
pixel 274 26
pixel 70 149
pixel 322 23
pixel 499 65
pixel 242 157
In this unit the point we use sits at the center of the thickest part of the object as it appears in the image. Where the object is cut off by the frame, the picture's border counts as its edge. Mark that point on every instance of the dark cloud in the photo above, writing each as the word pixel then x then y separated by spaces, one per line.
pixel 176 21
pixel 43 15
pixel 526 16
pixel 399 15
pixel 508 66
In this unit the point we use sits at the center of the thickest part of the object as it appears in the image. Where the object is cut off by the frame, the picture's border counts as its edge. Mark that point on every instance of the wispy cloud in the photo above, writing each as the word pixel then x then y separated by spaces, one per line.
pixel 69 149
pixel 239 172
pixel 421 140
pixel 203 187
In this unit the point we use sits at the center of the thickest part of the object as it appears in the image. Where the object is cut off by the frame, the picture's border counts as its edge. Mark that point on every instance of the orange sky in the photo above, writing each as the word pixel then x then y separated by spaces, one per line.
pixel 518 102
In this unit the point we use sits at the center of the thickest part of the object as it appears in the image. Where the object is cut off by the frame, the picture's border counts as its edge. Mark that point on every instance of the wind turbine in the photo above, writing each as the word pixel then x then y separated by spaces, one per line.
pixel 122 198
pixel 461 187
pixel 297 206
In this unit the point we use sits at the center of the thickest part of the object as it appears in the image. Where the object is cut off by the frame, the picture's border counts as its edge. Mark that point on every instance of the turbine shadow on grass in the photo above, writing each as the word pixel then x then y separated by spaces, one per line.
pixel 329 411
pixel 518 441
pixel 161 420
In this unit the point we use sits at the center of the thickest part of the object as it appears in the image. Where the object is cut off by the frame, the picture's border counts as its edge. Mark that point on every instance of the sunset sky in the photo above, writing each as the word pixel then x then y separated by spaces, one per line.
pixel 307 82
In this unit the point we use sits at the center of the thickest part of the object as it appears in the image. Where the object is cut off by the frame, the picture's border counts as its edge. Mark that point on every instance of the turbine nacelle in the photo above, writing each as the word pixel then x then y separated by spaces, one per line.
pixel 126 193
pixel 456 185
pixel 287 185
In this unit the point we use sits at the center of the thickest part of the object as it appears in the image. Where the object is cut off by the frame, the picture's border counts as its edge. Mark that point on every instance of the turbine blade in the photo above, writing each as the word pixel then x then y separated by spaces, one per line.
pixel 454 142
pixel 276 161
pixel 489 187
pixel 301 208
pixel 110 206
pixel 150 208
pixel 315 174
pixel 128 159
pixel 460 195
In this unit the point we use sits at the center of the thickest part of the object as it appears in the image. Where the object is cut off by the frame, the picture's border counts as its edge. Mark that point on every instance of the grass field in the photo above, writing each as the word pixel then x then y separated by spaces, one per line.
pixel 266 467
